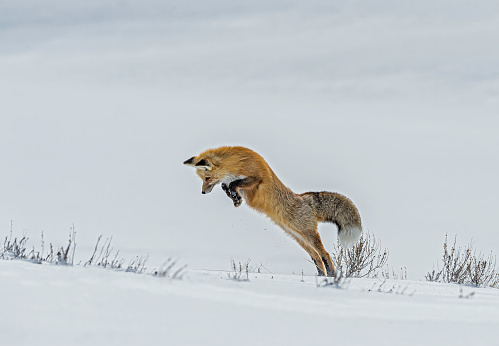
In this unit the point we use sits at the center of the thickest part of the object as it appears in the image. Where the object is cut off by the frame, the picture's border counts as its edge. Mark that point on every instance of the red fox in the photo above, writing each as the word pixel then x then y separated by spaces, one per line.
pixel 246 175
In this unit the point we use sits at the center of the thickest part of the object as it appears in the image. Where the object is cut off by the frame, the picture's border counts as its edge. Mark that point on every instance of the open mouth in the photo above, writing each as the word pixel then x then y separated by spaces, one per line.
pixel 208 188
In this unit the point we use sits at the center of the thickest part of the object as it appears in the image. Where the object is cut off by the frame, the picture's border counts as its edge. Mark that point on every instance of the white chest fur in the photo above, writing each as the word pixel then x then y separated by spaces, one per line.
pixel 232 177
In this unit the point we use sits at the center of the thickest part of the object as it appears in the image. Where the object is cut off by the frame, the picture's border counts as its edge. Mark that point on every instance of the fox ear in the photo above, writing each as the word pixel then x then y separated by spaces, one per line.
pixel 203 164
pixel 190 162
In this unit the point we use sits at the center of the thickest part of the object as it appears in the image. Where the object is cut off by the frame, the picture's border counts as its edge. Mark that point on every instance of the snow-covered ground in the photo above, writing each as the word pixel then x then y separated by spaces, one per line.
pixel 55 305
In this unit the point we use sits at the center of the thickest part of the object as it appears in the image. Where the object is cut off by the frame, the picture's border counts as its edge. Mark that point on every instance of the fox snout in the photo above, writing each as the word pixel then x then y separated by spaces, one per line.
pixel 208 186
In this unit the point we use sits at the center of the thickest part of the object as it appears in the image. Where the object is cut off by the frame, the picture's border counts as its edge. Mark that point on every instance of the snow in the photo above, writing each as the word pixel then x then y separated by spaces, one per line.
pixel 48 304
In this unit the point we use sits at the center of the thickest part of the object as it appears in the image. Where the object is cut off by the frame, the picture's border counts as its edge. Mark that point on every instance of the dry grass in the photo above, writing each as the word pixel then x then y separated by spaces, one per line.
pixel 365 259
pixel 465 266
pixel 239 272
pixel 17 249
pixel 103 256
pixel 168 270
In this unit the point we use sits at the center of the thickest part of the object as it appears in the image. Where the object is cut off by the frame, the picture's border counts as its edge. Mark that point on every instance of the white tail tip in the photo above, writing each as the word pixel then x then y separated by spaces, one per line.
pixel 349 236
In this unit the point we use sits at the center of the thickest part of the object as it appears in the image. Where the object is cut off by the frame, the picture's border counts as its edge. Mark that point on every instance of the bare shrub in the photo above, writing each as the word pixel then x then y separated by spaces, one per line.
pixel 17 249
pixel 433 276
pixel 237 271
pixel 386 274
pixel 168 270
pixel 14 249
pixel 65 256
pixel 482 270
pixel 364 259
pixel 105 259
pixel 137 264
pixel 96 248
pixel 258 268
pixel 455 262
pixel 37 256
pixel 103 256
pixel 465 266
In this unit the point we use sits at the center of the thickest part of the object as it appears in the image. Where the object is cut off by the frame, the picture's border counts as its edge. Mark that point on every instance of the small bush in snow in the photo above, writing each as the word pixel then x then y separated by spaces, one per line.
pixel 104 257
pixel 137 264
pixel 466 266
pixel 168 270
pixel 364 259
pixel 101 257
pixel 17 249
pixel 401 276
pixel 238 271
pixel 14 249
pixel 65 256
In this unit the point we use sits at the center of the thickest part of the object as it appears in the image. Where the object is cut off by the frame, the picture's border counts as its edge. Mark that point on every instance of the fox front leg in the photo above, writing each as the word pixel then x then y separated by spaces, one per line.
pixel 244 183
pixel 233 194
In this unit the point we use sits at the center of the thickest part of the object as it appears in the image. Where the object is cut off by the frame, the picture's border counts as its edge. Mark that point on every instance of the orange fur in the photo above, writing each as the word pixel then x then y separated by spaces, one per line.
pixel 243 171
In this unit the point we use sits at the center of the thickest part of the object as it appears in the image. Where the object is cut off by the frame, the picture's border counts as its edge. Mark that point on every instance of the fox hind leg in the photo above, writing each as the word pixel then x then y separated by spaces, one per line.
pixel 303 226
pixel 316 244
pixel 310 240
pixel 314 255
pixel 322 269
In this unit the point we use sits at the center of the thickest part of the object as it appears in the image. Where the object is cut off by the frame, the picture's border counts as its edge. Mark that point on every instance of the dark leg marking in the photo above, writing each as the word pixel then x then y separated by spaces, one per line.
pixel 330 271
pixel 319 271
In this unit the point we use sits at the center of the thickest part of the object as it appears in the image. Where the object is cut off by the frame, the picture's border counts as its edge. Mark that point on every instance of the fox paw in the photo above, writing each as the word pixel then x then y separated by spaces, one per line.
pixel 237 202
pixel 233 195
pixel 236 198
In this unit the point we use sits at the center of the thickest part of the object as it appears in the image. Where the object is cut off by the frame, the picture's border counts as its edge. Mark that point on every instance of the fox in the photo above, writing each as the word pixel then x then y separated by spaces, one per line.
pixel 245 175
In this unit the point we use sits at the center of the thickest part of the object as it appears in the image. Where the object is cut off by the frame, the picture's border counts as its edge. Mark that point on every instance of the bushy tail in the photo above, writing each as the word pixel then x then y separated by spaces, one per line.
pixel 349 236
pixel 338 209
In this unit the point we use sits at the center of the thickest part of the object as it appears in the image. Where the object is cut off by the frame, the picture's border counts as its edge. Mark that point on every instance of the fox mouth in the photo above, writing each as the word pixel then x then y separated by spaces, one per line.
pixel 208 188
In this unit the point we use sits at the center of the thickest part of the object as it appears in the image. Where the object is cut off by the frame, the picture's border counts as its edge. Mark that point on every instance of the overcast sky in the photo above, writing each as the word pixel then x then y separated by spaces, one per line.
pixel 392 104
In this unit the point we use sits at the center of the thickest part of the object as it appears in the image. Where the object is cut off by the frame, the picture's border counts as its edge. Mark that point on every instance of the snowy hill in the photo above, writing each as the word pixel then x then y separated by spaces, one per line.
pixel 56 305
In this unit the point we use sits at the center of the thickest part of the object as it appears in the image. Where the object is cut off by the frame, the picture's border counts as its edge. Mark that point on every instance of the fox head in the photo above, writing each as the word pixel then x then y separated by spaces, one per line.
pixel 208 169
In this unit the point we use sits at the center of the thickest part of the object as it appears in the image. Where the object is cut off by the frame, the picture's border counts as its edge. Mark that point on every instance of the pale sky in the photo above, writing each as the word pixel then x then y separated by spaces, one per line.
pixel 394 105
